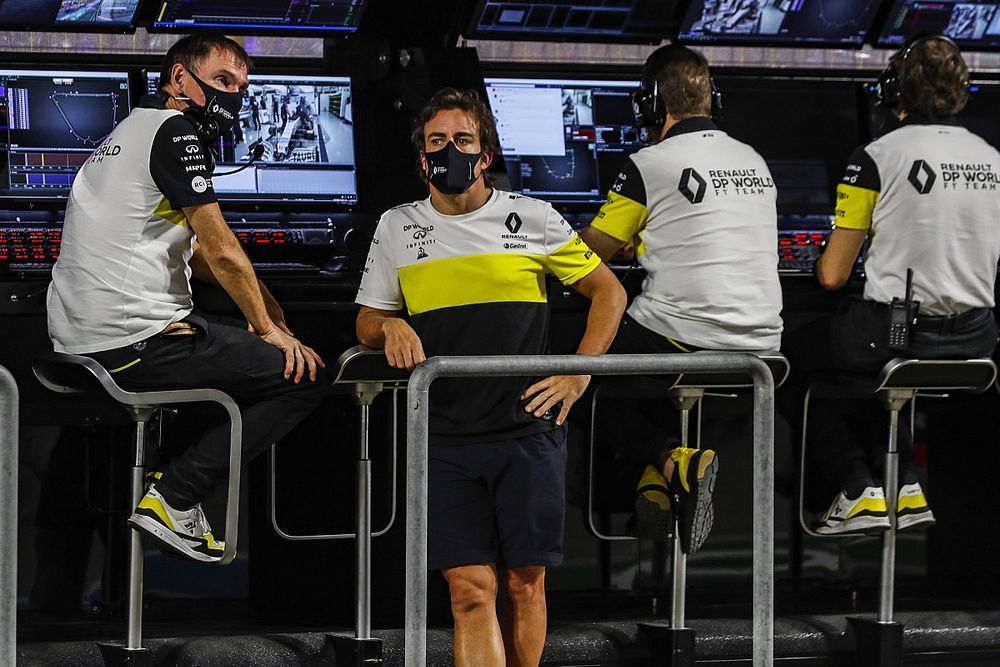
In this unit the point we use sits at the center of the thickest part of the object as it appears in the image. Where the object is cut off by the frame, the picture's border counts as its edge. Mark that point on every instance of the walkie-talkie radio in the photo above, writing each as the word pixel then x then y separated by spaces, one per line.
pixel 902 313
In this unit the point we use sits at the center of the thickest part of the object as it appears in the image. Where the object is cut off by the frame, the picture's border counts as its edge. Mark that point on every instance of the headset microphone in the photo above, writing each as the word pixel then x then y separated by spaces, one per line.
pixel 258 150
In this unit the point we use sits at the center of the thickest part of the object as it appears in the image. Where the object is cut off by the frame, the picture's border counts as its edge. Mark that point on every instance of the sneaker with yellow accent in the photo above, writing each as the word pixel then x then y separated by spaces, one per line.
pixel 867 513
pixel 653 519
pixel 912 510
pixel 185 532
pixel 691 485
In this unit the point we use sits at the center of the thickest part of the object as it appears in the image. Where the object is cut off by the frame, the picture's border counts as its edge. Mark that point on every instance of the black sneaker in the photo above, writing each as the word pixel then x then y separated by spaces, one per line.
pixel 653 519
pixel 691 485
pixel 185 532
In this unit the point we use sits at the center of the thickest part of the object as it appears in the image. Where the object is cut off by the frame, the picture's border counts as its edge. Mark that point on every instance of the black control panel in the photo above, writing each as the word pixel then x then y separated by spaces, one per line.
pixel 801 239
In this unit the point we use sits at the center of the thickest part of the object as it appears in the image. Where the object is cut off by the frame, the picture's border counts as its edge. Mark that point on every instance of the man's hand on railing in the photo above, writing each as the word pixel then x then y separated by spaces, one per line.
pixel 403 348
pixel 564 389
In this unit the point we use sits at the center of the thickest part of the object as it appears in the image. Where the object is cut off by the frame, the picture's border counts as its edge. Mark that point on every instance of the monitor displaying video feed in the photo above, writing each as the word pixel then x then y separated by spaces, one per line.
pixel 50 123
pixel 564 140
pixel 972 24
pixel 305 124
pixel 260 16
pixel 980 114
pixel 68 15
pixel 638 21
pixel 842 23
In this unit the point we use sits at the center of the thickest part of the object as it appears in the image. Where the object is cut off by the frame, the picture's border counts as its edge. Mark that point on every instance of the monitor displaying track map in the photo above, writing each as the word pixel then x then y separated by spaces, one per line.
pixel 69 15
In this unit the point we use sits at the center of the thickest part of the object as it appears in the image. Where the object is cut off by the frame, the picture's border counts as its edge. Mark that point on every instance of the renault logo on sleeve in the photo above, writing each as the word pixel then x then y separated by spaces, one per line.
pixel 922 177
pixel 513 223
pixel 689 178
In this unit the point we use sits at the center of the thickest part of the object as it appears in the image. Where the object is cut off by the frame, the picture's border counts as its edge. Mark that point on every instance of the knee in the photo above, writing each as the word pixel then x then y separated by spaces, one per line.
pixel 526 584
pixel 471 589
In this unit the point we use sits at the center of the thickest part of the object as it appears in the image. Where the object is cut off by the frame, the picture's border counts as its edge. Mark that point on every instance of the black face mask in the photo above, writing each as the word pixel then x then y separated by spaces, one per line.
pixel 221 105
pixel 450 170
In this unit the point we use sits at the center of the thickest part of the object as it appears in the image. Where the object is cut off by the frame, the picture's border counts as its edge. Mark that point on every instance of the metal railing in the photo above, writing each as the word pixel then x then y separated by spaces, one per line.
pixel 8 518
pixel 418 413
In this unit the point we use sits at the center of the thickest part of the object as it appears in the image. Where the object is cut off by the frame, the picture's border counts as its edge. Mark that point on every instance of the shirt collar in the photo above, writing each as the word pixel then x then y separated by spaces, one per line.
pixel 693 124
pixel 156 101
pixel 914 119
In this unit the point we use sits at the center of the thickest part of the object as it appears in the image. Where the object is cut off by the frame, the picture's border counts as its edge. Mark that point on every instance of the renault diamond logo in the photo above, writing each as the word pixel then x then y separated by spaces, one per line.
pixel 513 223
pixel 691 177
pixel 922 177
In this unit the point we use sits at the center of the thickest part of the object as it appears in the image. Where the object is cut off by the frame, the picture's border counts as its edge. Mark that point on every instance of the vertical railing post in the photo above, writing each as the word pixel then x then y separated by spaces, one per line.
pixel 8 518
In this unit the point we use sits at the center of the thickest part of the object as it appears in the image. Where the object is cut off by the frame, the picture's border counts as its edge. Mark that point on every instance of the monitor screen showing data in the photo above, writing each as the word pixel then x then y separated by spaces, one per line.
pixel 260 16
pixel 50 123
pixel 564 140
pixel 621 20
pixel 780 22
pixel 973 25
pixel 110 15
pixel 305 124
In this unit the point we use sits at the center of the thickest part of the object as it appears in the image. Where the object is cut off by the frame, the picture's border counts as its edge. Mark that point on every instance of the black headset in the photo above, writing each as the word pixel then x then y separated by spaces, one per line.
pixel 650 108
pixel 887 90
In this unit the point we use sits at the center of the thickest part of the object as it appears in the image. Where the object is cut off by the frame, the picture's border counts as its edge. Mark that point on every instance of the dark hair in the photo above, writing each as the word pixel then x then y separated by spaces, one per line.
pixel 683 79
pixel 463 100
pixel 191 50
pixel 933 79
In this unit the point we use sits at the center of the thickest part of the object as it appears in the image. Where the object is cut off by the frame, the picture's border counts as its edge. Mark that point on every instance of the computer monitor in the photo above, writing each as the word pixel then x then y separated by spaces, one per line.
pixel 808 23
pixel 68 15
pixel 639 21
pixel 980 114
pixel 260 16
pixel 973 24
pixel 306 126
pixel 804 129
pixel 50 123
pixel 564 140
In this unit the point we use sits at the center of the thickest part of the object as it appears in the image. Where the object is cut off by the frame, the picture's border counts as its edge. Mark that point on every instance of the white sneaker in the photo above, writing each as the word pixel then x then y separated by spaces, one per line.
pixel 183 531
pixel 865 514
pixel 912 510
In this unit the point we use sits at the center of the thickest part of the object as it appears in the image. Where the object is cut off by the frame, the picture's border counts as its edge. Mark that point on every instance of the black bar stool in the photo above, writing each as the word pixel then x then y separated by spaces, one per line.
pixel 366 373
pixel 73 374
pixel 880 640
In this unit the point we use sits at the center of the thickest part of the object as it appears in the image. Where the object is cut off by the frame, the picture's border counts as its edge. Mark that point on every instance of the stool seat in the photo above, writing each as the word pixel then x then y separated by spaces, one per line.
pixel 362 364
pixel 912 375
pixel 776 363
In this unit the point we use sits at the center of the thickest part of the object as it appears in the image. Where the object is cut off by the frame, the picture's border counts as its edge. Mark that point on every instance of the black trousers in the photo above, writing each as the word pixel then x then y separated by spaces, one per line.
pixel 222 355
pixel 847 436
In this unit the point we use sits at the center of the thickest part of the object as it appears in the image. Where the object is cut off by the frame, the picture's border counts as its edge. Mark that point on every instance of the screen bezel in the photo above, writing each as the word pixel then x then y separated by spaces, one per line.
pixel 9 197
pixel 155 26
pixel 472 32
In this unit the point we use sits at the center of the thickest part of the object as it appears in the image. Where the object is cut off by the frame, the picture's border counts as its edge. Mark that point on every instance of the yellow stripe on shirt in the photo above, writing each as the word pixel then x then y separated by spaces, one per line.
pixel 621 217
pixel 855 207
pixel 573 261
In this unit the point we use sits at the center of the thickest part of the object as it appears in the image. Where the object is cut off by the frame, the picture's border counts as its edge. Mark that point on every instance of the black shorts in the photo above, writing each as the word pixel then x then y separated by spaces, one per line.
pixel 498 502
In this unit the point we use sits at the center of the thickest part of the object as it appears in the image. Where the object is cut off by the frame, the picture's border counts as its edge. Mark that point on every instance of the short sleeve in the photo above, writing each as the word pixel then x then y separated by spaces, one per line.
pixel 624 213
pixel 858 192
pixel 380 277
pixel 567 257
pixel 179 165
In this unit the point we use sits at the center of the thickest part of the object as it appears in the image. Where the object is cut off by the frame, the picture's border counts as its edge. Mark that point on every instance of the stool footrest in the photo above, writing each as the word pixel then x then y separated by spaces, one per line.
pixel 353 652
pixel 670 647
pixel 117 655
pixel 877 644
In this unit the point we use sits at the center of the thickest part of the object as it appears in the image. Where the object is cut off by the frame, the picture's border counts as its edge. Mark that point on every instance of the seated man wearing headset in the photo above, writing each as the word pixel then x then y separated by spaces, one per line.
pixel 927 195
pixel 702 208
pixel 142 217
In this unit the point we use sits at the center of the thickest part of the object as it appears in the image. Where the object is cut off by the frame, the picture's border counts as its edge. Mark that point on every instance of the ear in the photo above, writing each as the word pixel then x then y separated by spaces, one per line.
pixel 487 160
pixel 422 158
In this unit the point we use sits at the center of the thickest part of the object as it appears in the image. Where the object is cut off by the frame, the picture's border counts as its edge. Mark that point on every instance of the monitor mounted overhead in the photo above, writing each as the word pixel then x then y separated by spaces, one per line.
pixel 973 25
pixel 69 15
pixel 638 21
pixel 50 123
pixel 305 126
pixel 281 17
pixel 806 23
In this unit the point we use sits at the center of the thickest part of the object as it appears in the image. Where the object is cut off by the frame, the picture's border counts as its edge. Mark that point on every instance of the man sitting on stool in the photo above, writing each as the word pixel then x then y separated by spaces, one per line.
pixel 926 195
pixel 142 217
pixel 710 257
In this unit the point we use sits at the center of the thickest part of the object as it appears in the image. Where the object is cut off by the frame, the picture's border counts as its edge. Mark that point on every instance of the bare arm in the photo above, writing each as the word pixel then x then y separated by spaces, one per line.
pixel 834 267
pixel 228 266
pixel 385 329
pixel 607 303
pixel 602 243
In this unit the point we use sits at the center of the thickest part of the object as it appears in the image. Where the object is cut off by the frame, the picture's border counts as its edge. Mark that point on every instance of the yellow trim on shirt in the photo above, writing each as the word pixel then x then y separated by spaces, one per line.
pixel 621 217
pixel 170 214
pixel 573 261
pixel 855 207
